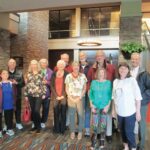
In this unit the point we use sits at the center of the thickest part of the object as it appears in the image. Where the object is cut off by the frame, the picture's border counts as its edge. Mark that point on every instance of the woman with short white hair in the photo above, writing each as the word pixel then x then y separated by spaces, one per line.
pixel 35 92
pixel 59 97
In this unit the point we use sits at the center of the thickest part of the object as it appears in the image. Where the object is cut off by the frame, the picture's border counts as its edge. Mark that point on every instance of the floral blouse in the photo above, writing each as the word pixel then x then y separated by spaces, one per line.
pixel 34 86
pixel 75 85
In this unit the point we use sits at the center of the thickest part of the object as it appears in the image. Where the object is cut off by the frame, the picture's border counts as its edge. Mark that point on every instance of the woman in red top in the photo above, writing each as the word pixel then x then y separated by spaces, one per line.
pixel 59 97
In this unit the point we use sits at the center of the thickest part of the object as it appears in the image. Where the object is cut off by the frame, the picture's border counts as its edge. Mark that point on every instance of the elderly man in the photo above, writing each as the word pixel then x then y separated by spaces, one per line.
pixel 47 73
pixel 65 58
pixel 17 79
pixel 110 73
pixel 84 68
pixel 143 79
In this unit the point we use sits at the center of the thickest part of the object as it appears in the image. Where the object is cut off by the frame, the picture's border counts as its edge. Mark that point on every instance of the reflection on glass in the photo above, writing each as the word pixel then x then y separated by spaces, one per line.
pixel 61 23
pixel 100 21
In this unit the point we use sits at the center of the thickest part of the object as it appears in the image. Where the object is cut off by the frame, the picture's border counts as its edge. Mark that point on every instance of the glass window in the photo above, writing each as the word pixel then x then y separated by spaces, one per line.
pixel 61 24
pixel 100 21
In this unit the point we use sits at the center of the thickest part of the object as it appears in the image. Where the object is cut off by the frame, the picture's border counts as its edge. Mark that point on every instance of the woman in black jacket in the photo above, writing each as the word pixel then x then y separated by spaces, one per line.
pixel 59 97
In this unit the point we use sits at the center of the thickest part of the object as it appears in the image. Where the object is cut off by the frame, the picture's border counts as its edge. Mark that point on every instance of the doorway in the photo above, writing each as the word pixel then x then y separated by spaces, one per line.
pixel 54 56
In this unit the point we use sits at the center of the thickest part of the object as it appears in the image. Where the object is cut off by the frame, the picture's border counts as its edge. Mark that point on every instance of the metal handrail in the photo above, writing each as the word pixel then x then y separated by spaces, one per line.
pixel 148 29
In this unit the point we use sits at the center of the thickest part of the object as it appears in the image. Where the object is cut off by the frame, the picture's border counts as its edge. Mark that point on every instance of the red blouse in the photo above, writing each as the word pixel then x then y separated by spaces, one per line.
pixel 59 85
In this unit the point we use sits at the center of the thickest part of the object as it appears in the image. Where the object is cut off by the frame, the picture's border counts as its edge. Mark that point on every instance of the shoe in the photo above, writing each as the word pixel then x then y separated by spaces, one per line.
pixel 79 135
pixel 19 126
pixel 33 126
pixel 10 132
pixel 33 130
pixel 1 135
pixel 109 139
pixel 102 143
pixel 38 131
pixel 5 128
pixel 93 141
pixel 87 132
pixel 43 125
pixel 72 135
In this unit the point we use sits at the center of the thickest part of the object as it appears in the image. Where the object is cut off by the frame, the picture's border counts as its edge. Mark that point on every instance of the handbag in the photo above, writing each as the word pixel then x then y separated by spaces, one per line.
pixel 26 116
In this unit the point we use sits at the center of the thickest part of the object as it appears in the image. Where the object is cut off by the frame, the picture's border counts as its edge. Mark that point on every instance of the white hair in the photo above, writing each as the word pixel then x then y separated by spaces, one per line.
pixel 61 62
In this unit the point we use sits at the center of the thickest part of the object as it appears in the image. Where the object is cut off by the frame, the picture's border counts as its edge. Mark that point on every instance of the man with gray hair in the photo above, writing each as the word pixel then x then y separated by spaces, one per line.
pixel 110 73
pixel 16 76
pixel 143 79
pixel 65 58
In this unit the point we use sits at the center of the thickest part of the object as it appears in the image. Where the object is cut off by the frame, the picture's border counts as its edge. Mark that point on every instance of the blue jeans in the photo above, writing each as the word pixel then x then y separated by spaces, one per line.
pixel 45 109
pixel 73 108
pixel 142 127
pixel 126 125
pixel 87 109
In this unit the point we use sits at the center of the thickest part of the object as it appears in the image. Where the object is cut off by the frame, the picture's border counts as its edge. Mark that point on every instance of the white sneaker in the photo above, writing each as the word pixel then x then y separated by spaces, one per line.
pixel 10 132
pixel 19 126
pixel 5 128
pixel 33 125
pixel 1 135
pixel 43 125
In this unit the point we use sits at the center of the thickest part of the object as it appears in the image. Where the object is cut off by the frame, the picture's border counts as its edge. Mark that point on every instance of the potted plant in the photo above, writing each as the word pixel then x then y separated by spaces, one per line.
pixel 128 48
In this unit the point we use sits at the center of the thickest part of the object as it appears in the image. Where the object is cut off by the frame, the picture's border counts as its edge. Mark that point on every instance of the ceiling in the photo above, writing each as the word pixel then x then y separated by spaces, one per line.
pixel 29 5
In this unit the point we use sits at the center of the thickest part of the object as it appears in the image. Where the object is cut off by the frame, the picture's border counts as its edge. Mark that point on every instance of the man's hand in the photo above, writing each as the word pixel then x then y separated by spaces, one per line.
pixel 14 81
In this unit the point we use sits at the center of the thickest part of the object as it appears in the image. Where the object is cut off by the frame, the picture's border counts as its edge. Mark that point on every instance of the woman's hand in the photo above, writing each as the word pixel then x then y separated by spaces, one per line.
pixel 43 97
pixel 26 99
pixel 105 110
pixel 114 115
pixel 138 116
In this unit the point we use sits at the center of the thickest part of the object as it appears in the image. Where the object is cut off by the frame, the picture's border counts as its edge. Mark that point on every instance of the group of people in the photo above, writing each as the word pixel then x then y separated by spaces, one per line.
pixel 96 93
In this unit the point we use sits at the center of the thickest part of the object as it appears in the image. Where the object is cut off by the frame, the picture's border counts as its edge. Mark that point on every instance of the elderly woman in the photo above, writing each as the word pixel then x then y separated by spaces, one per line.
pixel 127 102
pixel 76 88
pixel 59 97
pixel 46 73
pixel 35 92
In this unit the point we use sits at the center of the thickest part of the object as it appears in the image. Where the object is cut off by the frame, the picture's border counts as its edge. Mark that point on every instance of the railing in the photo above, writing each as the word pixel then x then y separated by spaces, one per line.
pixel 84 33
pixel 146 33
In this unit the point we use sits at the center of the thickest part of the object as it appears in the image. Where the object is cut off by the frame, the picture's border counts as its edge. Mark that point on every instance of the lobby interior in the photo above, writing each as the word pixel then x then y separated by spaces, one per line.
pixel 47 28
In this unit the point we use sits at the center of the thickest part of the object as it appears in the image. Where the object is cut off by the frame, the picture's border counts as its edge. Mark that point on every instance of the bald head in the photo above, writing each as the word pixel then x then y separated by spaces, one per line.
pixel 100 56
pixel 135 60
pixel 65 58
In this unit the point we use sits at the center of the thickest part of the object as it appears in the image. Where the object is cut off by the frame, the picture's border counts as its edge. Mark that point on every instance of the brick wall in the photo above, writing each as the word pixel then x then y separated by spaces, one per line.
pixel 32 40
pixel 4 48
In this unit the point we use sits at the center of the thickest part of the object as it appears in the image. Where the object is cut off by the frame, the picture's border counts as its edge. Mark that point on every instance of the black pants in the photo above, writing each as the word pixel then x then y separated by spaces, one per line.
pixel 60 116
pixel 45 109
pixel 18 110
pixel 8 116
pixel 35 104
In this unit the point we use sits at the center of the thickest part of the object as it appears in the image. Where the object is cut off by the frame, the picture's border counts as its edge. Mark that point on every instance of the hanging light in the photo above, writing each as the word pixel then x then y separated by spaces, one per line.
pixel 89 42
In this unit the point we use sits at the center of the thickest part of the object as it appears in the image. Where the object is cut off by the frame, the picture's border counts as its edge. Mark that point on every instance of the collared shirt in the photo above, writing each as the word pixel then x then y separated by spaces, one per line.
pixel 134 72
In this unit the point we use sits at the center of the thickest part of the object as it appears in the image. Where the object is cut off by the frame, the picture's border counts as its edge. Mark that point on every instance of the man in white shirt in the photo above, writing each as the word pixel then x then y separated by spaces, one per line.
pixel 143 79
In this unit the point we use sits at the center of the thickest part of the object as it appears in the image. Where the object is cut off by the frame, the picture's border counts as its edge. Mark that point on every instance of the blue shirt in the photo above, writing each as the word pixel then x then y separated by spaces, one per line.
pixel 7 98
pixel 100 93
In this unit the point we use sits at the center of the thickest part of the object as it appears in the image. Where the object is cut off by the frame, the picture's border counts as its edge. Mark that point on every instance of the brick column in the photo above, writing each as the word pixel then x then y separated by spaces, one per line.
pixel 4 48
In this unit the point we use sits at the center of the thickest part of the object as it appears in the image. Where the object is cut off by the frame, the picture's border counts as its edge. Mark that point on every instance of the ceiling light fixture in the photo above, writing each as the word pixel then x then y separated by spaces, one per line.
pixel 89 42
